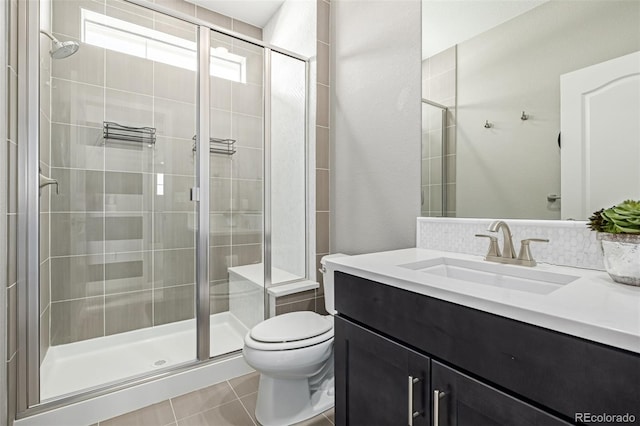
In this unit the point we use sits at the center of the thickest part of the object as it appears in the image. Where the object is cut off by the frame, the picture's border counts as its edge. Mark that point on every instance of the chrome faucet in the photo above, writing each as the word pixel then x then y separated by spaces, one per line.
pixel 508 254
pixel 507 246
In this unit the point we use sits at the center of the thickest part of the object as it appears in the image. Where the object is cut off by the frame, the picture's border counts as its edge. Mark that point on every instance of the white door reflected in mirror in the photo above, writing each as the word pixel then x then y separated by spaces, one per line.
pixel 600 154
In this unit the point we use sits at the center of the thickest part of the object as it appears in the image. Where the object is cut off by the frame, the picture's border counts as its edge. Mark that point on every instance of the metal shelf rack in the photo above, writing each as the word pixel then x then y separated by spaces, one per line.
pixel 115 131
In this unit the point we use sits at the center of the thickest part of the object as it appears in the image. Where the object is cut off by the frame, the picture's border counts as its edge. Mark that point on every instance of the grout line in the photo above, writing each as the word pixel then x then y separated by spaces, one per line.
pixel 123 292
pixel 242 403
pixel 232 388
pixel 172 410
pixel 327 417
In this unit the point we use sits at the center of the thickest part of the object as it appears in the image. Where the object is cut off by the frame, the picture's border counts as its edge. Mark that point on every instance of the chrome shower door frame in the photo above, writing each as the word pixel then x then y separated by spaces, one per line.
pixel 202 175
pixel 28 362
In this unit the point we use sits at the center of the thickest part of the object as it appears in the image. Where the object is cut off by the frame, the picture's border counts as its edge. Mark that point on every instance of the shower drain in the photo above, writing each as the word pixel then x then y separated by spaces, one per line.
pixel 160 362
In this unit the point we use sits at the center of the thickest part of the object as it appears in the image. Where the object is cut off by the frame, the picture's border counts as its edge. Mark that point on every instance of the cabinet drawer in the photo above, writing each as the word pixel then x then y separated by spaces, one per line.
pixel 567 374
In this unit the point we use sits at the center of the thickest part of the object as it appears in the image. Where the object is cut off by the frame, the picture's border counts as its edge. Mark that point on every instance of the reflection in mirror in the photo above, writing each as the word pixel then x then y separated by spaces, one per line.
pixel 498 164
pixel 434 134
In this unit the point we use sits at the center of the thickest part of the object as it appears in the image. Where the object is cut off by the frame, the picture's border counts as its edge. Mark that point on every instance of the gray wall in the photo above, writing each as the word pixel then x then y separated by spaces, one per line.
pixel 515 67
pixel 376 131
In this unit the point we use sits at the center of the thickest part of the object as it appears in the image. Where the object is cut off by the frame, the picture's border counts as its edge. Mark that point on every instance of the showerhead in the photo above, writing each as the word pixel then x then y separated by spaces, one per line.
pixel 61 49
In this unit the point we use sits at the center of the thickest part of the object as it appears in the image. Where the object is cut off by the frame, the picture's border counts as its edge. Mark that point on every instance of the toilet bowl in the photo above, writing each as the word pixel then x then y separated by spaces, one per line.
pixel 293 353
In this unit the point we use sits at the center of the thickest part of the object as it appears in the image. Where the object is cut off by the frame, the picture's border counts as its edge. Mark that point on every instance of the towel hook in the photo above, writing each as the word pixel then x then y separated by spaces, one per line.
pixel 524 116
pixel 487 125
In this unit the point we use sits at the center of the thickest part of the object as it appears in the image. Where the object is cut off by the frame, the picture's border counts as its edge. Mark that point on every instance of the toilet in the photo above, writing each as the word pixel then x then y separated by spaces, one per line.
pixel 293 353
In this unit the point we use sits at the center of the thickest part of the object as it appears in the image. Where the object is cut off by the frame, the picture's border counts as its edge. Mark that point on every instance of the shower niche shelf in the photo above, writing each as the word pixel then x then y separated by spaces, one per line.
pixel 219 146
pixel 118 132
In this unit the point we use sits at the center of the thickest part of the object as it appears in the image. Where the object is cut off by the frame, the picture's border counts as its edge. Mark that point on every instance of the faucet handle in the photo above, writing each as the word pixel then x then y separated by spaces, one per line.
pixel 494 249
pixel 525 250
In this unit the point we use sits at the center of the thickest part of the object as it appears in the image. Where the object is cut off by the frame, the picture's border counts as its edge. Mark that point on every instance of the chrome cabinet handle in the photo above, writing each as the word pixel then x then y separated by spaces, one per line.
pixel 437 396
pixel 412 414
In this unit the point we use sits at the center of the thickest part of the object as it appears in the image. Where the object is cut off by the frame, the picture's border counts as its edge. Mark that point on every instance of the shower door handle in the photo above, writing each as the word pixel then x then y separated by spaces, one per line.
pixel 46 181
pixel 194 194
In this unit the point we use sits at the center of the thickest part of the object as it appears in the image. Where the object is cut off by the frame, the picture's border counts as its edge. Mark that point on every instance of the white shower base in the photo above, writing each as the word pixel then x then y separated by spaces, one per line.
pixel 80 366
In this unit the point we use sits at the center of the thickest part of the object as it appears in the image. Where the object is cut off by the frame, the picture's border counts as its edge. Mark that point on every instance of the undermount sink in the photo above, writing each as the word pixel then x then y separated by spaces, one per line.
pixel 493 274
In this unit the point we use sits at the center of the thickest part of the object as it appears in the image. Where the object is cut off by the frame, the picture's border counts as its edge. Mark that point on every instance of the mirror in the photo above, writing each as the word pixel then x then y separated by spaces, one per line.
pixel 496 67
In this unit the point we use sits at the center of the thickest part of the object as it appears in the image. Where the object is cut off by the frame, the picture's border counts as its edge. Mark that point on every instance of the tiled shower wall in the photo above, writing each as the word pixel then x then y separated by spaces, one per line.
pixel 439 85
pixel 122 227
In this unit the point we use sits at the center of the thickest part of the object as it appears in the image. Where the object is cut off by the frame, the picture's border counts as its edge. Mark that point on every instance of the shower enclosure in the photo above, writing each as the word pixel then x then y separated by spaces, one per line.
pixel 164 192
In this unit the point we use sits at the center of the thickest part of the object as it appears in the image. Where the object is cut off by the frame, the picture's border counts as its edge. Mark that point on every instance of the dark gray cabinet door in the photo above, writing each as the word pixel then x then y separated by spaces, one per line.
pixel 468 402
pixel 374 385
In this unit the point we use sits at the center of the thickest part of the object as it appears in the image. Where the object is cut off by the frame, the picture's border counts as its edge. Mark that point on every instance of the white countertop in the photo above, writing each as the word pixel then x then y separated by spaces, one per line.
pixel 592 307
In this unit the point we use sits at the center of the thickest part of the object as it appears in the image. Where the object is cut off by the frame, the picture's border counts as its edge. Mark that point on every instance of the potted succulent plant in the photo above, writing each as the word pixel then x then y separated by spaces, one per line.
pixel 618 230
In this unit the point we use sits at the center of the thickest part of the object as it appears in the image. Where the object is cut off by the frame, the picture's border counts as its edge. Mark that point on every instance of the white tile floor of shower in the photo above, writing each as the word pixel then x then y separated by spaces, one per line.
pixel 91 363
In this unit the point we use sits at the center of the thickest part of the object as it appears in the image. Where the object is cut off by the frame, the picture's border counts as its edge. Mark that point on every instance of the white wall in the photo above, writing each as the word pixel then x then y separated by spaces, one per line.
pixel 293 28
pixel 288 201
pixel 508 170
pixel 375 124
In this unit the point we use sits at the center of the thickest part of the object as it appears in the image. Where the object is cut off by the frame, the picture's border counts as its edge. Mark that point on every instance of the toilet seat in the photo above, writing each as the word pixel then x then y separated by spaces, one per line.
pixel 290 327
pixel 294 330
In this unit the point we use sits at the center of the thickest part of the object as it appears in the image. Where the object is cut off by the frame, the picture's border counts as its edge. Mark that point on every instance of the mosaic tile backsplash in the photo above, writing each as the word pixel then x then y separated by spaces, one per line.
pixel 571 243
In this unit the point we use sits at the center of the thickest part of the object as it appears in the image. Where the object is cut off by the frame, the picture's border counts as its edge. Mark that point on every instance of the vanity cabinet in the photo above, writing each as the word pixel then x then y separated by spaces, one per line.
pixel 492 370
pixel 380 382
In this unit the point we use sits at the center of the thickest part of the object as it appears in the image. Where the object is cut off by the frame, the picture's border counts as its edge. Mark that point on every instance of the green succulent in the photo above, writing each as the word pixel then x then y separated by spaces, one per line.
pixel 621 219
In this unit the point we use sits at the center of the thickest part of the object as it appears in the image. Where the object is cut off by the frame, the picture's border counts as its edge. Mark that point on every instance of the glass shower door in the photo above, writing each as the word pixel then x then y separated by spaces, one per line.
pixel 117 237
pixel 236 192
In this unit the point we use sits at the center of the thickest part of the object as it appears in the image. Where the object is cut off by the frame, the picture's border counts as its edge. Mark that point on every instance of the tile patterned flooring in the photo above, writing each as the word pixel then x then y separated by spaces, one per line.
pixel 230 403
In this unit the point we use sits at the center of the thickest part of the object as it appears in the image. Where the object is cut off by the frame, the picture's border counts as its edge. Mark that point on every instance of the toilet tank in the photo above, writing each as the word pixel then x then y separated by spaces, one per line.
pixel 327 277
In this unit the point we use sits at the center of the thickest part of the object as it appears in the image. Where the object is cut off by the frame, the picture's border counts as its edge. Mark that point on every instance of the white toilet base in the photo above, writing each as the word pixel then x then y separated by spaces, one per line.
pixel 286 401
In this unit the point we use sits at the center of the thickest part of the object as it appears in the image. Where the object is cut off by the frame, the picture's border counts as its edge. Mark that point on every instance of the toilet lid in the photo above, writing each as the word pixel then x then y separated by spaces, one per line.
pixel 291 327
